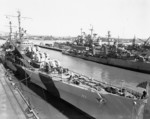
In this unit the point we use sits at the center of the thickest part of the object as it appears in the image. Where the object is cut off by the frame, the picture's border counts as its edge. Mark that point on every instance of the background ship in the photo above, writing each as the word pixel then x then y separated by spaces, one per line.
pixel 126 64
pixel 133 57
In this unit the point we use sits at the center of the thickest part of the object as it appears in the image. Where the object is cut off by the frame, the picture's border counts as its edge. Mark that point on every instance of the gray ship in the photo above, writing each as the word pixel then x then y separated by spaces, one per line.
pixel 117 62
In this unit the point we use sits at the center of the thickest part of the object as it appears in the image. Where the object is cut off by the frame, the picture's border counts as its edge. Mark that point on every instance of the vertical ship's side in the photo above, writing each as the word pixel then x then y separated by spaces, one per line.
pixel 126 64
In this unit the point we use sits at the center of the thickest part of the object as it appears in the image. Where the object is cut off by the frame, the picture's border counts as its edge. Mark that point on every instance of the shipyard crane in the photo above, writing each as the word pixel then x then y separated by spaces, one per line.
pixel 145 41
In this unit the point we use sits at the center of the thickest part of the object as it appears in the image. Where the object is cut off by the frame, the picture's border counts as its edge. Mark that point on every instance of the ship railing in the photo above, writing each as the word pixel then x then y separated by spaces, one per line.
pixel 87 81
pixel 92 85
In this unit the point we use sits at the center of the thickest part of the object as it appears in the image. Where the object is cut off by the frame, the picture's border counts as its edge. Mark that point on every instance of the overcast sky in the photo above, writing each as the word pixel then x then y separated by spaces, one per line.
pixel 124 18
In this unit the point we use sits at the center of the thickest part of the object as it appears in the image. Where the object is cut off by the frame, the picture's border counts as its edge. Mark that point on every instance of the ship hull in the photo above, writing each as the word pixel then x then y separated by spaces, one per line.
pixel 115 107
pixel 7 61
pixel 51 48
pixel 126 64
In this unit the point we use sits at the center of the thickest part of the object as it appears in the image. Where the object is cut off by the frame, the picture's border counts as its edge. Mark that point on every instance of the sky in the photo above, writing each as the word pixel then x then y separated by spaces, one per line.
pixel 124 18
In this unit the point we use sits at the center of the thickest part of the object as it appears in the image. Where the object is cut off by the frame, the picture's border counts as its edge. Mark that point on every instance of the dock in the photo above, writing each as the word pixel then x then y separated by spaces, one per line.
pixel 12 103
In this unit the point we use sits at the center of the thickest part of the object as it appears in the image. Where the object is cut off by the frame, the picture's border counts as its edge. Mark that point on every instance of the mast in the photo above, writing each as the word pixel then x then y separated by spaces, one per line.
pixel 133 41
pixel 109 35
pixel 10 25
pixel 19 24
pixel 91 31
pixel 81 32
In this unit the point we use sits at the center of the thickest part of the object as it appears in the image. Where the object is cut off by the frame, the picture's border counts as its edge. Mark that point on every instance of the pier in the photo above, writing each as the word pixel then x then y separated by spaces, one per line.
pixel 13 104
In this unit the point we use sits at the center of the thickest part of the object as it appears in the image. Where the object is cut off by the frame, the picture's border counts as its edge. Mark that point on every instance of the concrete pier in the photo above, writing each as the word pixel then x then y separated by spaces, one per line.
pixel 12 103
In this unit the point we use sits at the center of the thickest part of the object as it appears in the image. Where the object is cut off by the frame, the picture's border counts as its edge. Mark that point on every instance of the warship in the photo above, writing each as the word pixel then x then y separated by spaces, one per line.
pixel 133 65
pixel 50 46
pixel 133 57
pixel 97 99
